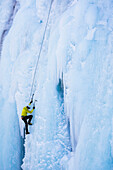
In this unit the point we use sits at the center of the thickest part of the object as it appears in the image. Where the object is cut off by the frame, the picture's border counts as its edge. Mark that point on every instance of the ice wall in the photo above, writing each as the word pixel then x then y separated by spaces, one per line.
pixel 84 57
pixel 80 54
pixel 10 138
pixel 48 146
pixel 74 86
pixel 18 59
pixel 8 10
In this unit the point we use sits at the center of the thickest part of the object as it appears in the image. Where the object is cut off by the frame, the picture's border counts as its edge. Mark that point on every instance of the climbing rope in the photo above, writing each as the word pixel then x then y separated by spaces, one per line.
pixel 41 48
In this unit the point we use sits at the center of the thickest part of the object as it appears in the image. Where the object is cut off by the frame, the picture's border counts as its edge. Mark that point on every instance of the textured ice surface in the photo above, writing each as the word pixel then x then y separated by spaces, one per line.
pixel 74 86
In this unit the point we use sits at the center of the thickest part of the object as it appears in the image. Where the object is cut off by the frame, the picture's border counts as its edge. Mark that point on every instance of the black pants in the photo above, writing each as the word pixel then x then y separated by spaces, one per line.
pixel 25 121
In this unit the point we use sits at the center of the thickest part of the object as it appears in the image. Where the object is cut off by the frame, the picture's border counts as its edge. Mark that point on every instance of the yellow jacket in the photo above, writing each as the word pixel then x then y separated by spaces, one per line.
pixel 25 111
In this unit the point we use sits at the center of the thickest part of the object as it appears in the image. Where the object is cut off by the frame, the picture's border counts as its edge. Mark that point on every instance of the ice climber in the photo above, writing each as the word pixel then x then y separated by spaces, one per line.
pixel 24 116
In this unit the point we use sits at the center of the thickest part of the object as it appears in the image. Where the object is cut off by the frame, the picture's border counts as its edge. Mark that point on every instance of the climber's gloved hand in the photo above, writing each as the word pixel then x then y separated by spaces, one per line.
pixel 33 107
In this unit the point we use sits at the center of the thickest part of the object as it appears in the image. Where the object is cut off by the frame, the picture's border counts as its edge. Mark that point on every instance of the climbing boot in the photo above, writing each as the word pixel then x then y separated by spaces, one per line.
pixel 29 123
pixel 27 133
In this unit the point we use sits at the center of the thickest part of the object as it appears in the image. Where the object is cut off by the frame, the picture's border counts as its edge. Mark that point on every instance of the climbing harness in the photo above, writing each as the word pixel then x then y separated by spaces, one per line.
pixel 41 48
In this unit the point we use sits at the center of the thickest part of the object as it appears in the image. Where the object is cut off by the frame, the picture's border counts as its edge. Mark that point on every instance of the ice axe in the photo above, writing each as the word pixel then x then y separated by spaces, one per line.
pixel 34 102
pixel 32 97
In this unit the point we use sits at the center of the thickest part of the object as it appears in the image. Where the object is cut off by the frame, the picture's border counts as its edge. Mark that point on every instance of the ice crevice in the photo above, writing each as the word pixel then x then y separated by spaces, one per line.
pixel 6 22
